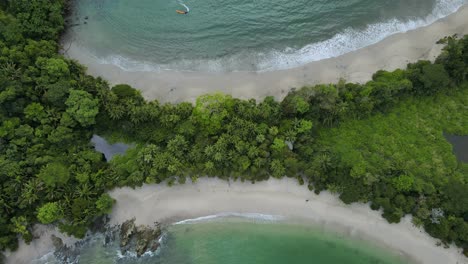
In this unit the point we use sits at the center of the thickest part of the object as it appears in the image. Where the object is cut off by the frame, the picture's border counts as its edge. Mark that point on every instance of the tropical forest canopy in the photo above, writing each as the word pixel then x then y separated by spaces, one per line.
pixel 380 142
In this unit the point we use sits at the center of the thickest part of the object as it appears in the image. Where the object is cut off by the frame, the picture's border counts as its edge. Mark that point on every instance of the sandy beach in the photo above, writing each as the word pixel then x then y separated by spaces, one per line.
pixel 284 198
pixel 358 66
pixel 281 198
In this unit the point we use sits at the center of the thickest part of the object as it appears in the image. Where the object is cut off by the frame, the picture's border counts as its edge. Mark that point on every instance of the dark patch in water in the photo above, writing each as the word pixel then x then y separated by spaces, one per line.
pixel 460 146
pixel 109 150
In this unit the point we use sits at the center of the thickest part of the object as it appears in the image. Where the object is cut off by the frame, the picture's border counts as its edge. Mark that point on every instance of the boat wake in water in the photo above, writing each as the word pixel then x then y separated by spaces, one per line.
pixel 187 9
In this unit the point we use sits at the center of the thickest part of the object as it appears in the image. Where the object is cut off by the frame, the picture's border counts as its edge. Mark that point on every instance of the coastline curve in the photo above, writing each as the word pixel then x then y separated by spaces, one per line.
pixel 210 197
pixel 392 52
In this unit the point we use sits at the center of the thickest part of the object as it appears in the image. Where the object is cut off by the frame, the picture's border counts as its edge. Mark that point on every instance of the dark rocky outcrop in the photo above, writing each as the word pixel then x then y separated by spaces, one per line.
pixel 64 253
pixel 132 238
pixel 57 242
pixel 127 230
pixel 147 239
pixel 139 239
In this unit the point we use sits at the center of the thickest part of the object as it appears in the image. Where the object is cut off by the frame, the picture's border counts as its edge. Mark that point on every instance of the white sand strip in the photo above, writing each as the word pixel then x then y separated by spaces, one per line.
pixel 358 66
pixel 278 197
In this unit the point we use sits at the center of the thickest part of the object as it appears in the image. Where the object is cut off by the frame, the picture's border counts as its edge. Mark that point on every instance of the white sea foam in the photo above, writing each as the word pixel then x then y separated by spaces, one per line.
pixel 128 254
pixel 253 216
pixel 45 259
pixel 133 255
pixel 347 41
pixel 351 39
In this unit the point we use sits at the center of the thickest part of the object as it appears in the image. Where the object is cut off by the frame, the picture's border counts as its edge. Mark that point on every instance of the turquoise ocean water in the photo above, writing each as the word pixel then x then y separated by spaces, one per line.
pixel 246 241
pixel 241 35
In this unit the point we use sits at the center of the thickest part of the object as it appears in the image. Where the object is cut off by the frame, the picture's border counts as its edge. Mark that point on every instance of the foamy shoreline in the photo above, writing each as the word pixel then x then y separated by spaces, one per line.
pixel 41 247
pixel 210 197
pixel 358 66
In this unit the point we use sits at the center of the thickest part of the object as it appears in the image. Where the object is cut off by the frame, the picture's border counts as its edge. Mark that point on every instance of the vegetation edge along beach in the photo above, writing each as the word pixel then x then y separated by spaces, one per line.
pixel 329 137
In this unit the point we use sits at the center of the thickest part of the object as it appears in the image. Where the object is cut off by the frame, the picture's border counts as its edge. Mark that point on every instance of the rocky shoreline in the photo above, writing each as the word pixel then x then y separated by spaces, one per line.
pixel 132 238
pixel 140 239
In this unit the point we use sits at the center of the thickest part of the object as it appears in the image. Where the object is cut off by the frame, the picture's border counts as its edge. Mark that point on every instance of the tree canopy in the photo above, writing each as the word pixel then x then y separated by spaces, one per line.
pixel 380 142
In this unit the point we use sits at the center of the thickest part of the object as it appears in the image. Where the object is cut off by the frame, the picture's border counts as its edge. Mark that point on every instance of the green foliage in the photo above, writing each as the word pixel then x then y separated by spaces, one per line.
pixel 82 107
pixel 211 110
pixel 39 19
pixel 457 200
pixel 20 225
pixel 277 168
pixel 45 156
pixel 278 144
pixel 54 174
pixel 403 183
pixel 295 105
pixel 454 57
pixel 125 91
pixel 428 78
pixel 385 87
pixel 301 105
pixel 395 142
pixel 304 126
pixel 381 141
pixel 49 212
pixel 104 203
pixel 371 142
pixel 35 112
pixel 52 69
pixel 411 163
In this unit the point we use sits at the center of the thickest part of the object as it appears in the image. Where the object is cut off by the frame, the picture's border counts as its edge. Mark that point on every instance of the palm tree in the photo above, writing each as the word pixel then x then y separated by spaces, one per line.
pixel 11 71
pixel 5 204
pixel 85 191
pixel 29 194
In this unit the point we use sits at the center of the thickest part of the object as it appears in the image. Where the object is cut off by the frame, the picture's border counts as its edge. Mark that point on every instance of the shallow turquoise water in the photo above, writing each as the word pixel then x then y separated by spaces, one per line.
pixel 247 242
pixel 238 240
pixel 230 35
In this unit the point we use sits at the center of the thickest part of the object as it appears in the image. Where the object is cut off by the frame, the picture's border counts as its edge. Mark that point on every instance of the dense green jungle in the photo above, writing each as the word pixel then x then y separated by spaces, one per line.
pixel 380 142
